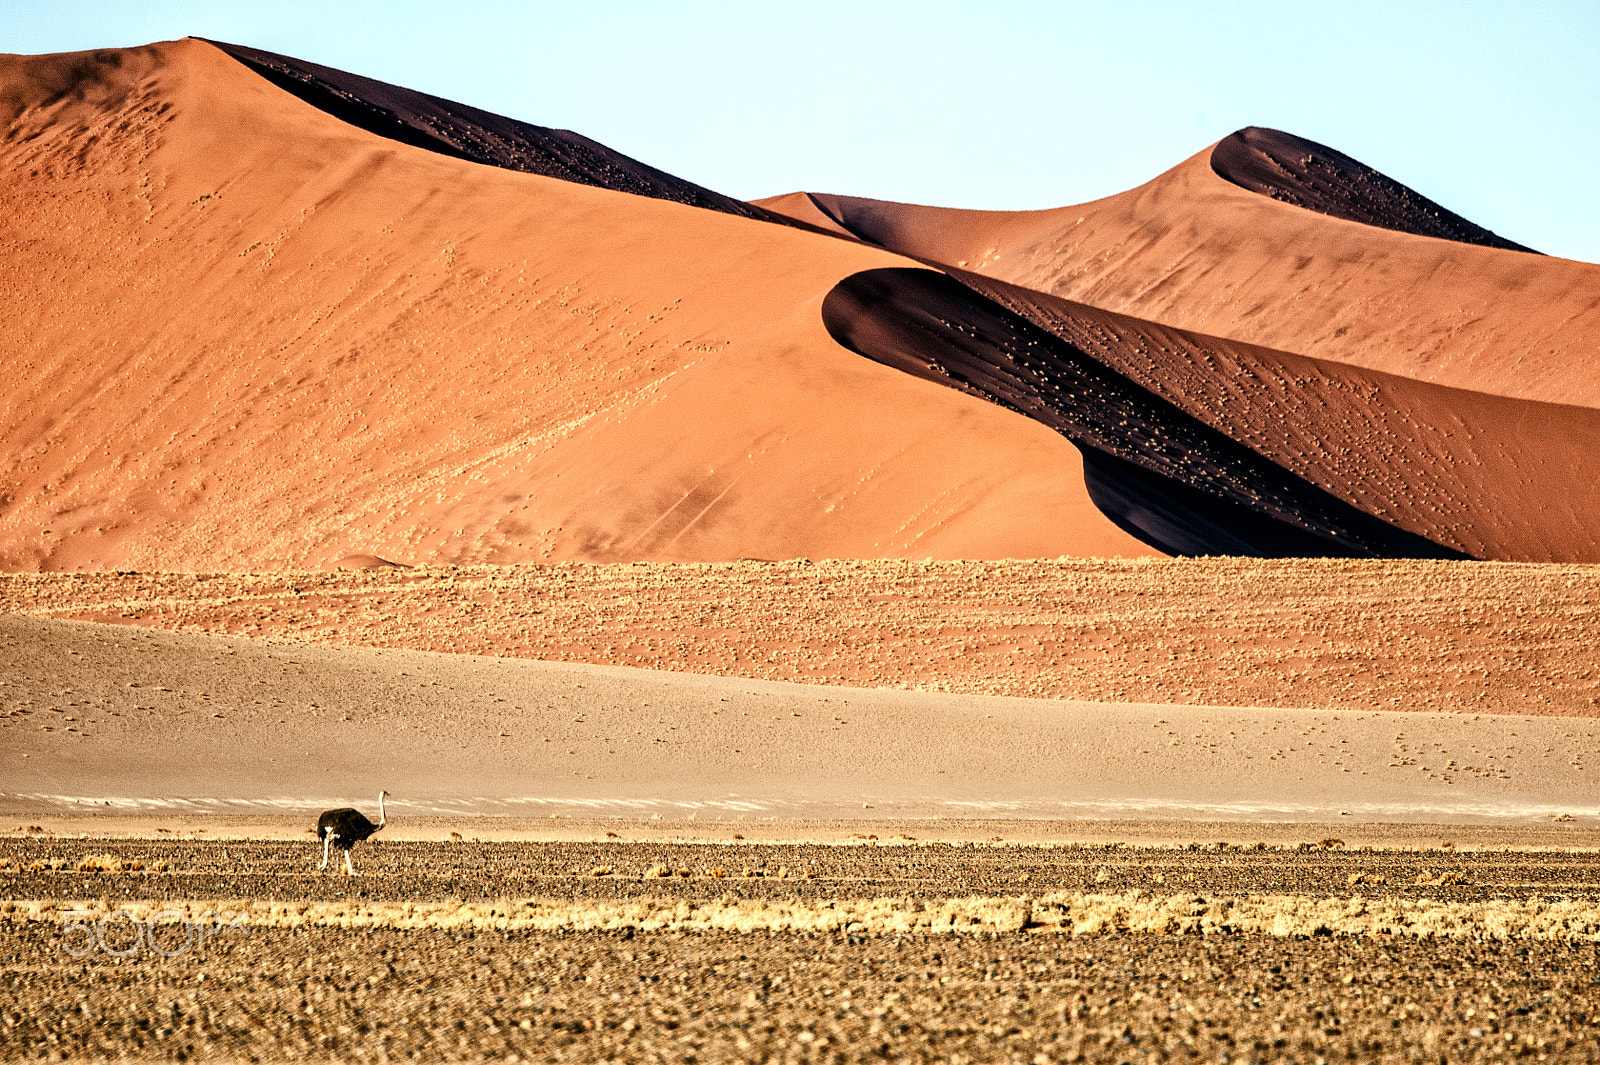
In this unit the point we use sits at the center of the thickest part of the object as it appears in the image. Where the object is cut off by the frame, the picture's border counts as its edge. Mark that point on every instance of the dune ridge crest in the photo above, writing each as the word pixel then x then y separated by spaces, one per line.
pixel 470 133
pixel 1193 250
pixel 1318 178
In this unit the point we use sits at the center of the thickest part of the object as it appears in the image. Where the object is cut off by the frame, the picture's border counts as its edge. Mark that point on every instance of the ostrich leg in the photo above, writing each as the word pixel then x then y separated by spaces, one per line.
pixel 348 871
pixel 327 841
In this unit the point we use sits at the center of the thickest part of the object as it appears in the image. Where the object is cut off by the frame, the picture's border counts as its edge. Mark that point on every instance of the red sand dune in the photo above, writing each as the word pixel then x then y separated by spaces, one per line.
pixel 244 334
pixel 266 314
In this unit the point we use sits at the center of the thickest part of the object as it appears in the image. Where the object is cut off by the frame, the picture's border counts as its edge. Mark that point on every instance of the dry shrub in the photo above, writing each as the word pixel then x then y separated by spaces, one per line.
pixel 107 863
pixel 600 870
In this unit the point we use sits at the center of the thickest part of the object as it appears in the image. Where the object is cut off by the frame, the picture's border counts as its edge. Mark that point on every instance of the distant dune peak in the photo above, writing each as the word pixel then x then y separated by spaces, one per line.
pixel 1306 174
pixel 479 136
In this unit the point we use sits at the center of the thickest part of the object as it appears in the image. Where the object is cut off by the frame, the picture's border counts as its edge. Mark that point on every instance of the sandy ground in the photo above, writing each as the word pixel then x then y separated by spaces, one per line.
pixel 333 971
pixel 127 719
pixel 1472 867
pixel 1294 633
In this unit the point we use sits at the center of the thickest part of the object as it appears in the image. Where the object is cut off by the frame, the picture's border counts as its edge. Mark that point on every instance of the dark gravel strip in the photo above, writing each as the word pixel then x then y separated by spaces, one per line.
pixel 418 872
pixel 275 994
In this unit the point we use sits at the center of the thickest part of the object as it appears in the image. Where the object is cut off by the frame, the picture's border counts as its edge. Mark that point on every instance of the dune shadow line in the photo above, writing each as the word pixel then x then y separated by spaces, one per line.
pixel 465 132
pixel 1154 470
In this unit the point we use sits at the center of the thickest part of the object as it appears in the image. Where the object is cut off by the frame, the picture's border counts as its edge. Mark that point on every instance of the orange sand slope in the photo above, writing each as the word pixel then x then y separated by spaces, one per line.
pixel 245 334
pixel 1326 634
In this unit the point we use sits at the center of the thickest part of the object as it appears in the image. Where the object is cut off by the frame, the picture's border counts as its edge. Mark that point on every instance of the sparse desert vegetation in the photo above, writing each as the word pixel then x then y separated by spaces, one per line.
pixel 1312 633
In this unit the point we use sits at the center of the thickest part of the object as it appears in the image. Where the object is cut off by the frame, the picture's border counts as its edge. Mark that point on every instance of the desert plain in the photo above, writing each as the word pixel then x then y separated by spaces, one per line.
pixel 679 856
pixel 817 629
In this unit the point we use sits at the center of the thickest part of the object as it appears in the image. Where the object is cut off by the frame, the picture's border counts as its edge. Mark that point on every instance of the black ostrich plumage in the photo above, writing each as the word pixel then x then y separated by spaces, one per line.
pixel 348 826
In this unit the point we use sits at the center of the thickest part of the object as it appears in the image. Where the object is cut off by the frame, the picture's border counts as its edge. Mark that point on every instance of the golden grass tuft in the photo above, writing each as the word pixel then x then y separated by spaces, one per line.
pixel 107 863
pixel 1066 913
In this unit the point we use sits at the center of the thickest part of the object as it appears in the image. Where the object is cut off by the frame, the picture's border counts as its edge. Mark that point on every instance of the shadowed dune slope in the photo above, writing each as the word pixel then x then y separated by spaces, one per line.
pixel 1207 446
pixel 1489 476
pixel 1197 251
pixel 469 133
pixel 1306 174
pixel 1165 476
pixel 245 334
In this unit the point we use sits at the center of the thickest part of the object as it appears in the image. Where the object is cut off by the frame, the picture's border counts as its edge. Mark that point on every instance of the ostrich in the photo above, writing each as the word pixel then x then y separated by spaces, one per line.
pixel 345 828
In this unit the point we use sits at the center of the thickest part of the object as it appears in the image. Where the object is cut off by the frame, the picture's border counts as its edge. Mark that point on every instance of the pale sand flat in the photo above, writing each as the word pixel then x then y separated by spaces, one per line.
pixel 156 723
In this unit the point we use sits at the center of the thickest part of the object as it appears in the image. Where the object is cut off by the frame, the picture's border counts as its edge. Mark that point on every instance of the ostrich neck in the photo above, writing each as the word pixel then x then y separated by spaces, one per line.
pixel 383 818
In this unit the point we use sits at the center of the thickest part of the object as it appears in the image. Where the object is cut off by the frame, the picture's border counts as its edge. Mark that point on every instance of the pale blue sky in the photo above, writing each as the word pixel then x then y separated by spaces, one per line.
pixel 1493 109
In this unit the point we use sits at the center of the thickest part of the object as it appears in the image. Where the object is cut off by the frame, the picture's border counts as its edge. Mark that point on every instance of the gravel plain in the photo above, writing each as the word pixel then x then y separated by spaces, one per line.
pixel 473 993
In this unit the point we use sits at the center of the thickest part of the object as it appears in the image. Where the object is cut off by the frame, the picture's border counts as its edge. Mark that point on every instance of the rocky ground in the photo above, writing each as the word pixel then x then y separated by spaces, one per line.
pixel 1310 633
pixel 46 868
pixel 473 993
pixel 380 994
